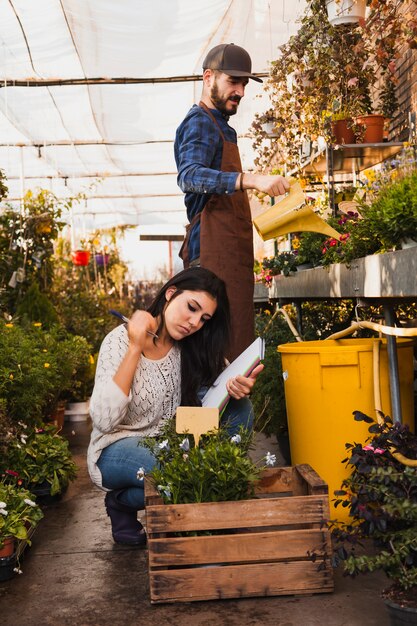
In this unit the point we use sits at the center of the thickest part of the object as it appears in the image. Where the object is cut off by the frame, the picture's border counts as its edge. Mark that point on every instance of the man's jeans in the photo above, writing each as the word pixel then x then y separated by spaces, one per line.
pixel 120 462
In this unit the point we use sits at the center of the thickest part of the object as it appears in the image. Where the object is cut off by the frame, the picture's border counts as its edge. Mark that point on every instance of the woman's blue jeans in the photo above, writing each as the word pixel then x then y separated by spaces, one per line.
pixel 120 461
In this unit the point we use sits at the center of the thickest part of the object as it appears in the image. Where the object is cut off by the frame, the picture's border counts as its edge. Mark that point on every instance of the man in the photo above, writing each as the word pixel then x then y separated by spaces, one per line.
pixel 220 234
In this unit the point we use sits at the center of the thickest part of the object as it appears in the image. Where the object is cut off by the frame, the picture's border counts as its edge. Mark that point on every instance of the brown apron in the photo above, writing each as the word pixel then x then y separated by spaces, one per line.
pixel 226 248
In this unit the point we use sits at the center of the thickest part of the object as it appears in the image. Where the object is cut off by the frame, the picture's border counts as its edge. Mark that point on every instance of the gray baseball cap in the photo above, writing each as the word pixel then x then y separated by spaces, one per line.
pixel 231 60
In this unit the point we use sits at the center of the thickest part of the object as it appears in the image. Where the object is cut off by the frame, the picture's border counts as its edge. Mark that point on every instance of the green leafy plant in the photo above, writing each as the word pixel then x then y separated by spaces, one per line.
pixel 322 64
pixel 268 396
pixel 357 239
pixel 218 469
pixel 310 249
pixel 381 495
pixel 281 263
pixel 18 512
pixel 38 368
pixel 41 456
pixel 392 215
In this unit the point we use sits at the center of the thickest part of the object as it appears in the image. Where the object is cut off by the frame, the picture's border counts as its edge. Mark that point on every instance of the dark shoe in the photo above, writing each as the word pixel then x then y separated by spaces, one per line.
pixel 126 529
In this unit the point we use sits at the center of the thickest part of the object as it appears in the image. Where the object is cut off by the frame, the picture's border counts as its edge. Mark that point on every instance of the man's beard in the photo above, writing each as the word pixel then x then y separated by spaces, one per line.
pixel 221 103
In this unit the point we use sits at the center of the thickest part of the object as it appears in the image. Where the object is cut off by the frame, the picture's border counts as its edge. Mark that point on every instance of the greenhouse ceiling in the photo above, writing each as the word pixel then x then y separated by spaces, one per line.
pixel 93 90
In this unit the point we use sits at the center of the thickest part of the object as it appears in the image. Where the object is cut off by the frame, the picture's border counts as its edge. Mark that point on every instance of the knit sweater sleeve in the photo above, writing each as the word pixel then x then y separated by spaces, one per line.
pixel 108 404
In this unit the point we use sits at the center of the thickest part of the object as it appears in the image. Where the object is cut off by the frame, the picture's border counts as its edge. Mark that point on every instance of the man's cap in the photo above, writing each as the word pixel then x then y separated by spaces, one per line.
pixel 230 59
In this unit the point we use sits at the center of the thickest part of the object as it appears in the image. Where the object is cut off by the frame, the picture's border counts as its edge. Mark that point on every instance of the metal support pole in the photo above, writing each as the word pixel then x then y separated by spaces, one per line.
pixel 394 379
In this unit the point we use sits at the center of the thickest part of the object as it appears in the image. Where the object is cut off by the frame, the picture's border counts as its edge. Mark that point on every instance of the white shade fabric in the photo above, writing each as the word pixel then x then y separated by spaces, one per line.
pixel 115 141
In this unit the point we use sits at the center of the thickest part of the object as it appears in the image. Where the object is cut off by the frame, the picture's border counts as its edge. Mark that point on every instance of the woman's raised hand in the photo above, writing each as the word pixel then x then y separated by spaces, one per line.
pixel 241 386
pixel 139 326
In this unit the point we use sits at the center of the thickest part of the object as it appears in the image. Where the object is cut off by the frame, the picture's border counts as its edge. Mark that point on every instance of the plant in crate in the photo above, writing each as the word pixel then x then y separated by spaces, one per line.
pixel 216 470
pixel 381 494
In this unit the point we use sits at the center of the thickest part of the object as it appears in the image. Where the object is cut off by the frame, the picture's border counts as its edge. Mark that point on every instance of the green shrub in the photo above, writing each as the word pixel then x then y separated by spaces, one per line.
pixel 41 455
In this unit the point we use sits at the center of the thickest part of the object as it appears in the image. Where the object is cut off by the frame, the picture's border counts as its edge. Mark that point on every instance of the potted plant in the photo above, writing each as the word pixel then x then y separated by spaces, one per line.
pixel 354 65
pixel 281 263
pixel 80 257
pixel 43 461
pixel 18 513
pixel 345 11
pixel 381 495
pixel 391 212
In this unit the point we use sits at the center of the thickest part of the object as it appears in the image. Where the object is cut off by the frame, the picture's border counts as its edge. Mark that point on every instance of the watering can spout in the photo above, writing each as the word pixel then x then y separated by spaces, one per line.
pixel 291 215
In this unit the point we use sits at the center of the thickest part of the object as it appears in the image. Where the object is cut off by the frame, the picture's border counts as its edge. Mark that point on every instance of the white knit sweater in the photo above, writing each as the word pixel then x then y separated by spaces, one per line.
pixel 153 398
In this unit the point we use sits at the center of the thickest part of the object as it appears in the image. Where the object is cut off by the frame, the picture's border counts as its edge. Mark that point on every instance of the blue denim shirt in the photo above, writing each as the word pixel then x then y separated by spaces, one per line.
pixel 198 152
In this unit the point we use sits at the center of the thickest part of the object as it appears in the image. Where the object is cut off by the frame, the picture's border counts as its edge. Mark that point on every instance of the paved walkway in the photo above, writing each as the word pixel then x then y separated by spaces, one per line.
pixel 74 575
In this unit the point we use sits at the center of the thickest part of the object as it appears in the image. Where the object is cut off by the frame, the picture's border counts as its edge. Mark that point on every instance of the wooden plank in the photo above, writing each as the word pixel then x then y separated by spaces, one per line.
pixel 262 512
pixel 316 485
pixel 275 480
pixel 151 494
pixel 240 581
pixel 241 547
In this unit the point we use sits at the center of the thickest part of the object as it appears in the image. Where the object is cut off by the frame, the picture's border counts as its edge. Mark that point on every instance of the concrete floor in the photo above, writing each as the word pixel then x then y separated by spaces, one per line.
pixel 74 575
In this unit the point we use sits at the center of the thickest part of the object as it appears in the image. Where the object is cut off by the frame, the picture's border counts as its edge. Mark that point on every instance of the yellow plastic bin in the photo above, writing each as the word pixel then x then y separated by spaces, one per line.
pixel 325 381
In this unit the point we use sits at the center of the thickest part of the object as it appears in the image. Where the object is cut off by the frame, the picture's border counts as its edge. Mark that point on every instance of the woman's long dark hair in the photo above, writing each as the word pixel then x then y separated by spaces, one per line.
pixel 203 352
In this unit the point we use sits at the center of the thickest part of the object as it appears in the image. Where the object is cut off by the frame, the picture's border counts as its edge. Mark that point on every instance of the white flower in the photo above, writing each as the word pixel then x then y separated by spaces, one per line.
pixel 3 512
pixel 165 489
pixel 23 439
pixel 29 502
pixel 164 445
pixel 22 424
pixel 185 444
pixel 270 459
pixel 236 439
pixel 3 505
pixel 17 570
pixel 140 473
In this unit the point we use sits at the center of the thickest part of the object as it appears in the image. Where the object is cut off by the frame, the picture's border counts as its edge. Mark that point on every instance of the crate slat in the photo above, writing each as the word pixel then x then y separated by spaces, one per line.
pixel 239 581
pixel 240 547
pixel 251 513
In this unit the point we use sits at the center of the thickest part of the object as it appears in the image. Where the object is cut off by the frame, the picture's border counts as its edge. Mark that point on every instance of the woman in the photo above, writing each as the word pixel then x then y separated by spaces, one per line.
pixel 164 357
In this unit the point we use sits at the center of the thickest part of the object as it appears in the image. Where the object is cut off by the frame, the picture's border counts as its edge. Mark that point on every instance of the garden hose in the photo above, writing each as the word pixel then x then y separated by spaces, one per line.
pixel 288 320
pixel 387 330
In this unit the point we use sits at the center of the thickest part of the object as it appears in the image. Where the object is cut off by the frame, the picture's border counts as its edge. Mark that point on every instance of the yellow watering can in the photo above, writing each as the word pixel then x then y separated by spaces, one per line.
pixel 291 215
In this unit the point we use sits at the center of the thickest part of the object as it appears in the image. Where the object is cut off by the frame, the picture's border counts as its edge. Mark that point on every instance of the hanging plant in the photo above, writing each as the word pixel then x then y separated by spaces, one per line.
pixel 80 257
pixel 354 65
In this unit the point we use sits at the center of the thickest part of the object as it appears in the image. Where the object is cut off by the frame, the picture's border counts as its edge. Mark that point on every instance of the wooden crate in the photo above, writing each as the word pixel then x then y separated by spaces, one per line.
pixel 261 549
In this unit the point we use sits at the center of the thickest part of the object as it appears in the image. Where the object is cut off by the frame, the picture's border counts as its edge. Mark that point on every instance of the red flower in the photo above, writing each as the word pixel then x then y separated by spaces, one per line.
pixel 11 472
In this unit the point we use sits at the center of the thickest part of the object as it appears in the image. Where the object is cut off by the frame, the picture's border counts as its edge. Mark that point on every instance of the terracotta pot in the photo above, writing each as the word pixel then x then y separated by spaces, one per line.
pixel 342 132
pixel 80 257
pixel 8 547
pixel 374 128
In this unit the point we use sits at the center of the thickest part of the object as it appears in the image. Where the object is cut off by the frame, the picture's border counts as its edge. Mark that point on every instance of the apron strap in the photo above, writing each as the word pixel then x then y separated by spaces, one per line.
pixel 210 114
pixel 183 253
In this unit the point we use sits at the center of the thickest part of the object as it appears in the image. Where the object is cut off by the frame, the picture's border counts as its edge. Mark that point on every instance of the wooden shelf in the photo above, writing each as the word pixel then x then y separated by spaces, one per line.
pixel 382 277
pixel 348 158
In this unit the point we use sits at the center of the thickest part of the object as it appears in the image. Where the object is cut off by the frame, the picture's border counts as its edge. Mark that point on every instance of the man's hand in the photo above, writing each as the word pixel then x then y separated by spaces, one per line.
pixel 271 185
pixel 241 386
